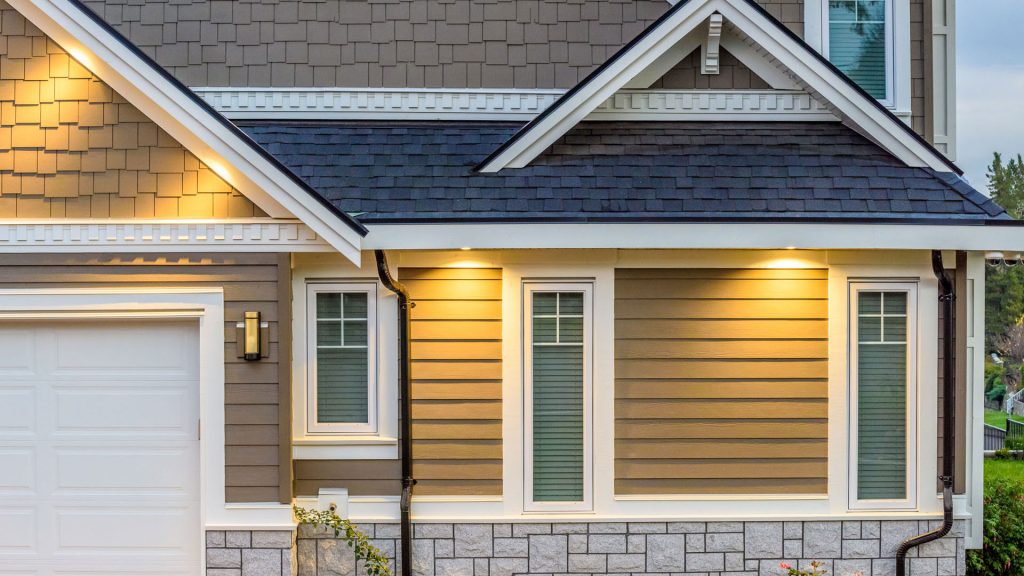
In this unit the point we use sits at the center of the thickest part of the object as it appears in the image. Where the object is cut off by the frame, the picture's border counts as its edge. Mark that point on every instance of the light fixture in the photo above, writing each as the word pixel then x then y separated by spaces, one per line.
pixel 466 248
pixel 790 247
pixel 252 335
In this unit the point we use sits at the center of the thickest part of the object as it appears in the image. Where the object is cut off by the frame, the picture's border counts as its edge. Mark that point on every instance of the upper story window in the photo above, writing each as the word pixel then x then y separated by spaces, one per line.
pixel 859 41
pixel 342 392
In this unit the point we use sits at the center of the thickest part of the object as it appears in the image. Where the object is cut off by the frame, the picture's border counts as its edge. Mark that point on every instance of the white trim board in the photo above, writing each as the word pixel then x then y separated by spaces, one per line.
pixel 251 235
pixel 227 153
pixel 474 104
pixel 689 235
pixel 856 108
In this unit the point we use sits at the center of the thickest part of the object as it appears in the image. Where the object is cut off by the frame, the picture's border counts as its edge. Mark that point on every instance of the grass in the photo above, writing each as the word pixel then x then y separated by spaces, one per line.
pixel 995 418
pixel 1004 470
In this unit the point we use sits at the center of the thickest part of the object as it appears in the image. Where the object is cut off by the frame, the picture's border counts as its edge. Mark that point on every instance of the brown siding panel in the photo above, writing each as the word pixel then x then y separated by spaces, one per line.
pixel 456 379
pixel 721 381
pixel 253 425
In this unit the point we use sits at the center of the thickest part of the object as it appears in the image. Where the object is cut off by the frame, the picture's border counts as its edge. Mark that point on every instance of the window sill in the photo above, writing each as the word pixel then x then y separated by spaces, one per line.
pixel 345 448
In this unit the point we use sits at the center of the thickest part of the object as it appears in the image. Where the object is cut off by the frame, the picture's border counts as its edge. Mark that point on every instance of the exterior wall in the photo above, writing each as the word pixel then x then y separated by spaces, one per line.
pixel 70 147
pixel 380 43
pixel 733 74
pixel 256 468
pixel 721 381
pixel 920 29
pixel 359 477
pixel 456 379
pixel 734 548
pixel 253 553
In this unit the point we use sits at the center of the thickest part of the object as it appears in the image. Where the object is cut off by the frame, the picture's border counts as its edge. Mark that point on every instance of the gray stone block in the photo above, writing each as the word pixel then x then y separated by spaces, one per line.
pixel 850 566
pixel 762 539
pixel 647 527
pixel 793 530
pixel 569 528
pixel 215 539
pixel 666 552
pixel 502 530
pixel 870 529
pixel 481 567
pixel 549 553
pixel 689 528
pixel 512 547
pixel 453 567
pixel 725 542
pixel 734 561
pixel 793 548
pixel 860 549
pixel 626 562
pixel 636 543
pixel 522 530
pixel 428 530
pixel 894 532
pixel 335 558
pixel 923 567
pixel 607 544
pixel 306 557
pixel 708 562
pixel 223 558
pixel 281 539
pixel 238 539
pixel 423 557
pixel 607 528
pixel 945 547
pixel 261 562
pixel 223 572
pixel 823 540
pixel 444 548
pixel 851 530
pixel 509 566
pixel 697 542
pixel 883 566
pixel 587 563
pixel 388 531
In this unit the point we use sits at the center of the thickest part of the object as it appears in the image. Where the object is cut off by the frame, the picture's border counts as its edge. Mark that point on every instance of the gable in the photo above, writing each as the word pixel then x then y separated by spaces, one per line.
pixel 72 147
pixel 733 75
pixel 759 41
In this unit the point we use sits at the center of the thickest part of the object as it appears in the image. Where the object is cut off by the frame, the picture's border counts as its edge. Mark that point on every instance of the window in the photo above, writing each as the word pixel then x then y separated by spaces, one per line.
pixel 860 43
pixel 342 394
pixel 557 396
pixel 883 395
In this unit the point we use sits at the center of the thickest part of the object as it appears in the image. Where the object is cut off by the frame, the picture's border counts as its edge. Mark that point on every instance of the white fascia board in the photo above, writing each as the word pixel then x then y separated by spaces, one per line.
pixel 186 121
pixel 857 108
pixel 740 235
pixel 614 77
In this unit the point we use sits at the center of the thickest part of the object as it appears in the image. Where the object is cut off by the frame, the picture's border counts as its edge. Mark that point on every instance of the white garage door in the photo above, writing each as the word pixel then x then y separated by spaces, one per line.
pixel 99 451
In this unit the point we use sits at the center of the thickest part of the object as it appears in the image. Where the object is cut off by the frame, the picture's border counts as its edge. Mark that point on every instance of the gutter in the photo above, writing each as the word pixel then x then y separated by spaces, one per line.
pixel 947 297
pixel 405 393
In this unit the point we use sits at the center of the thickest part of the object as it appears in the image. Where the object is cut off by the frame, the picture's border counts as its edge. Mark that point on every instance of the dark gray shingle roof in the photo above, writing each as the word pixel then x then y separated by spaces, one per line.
pixel 613 171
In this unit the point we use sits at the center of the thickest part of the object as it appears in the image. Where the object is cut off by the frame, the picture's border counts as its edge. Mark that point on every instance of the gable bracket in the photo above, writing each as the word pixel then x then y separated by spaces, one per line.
pixel 709 64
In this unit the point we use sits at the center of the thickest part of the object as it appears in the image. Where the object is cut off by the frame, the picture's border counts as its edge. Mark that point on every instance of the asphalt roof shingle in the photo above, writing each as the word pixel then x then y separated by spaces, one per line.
pixel 616 171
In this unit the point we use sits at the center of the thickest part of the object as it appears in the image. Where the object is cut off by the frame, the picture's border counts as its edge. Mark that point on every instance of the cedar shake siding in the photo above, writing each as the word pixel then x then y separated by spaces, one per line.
pixel 686 75
pixel 256 407
pixel 70 147
pixel 456 379
pixel 388 43
pixel 721 381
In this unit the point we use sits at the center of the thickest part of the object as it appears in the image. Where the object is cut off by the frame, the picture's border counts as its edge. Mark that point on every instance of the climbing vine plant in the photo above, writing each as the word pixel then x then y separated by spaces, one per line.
pixel 376 563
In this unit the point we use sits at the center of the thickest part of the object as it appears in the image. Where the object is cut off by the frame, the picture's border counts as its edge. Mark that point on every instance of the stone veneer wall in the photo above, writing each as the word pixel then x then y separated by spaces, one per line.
pixel 705 548
pixel 250 553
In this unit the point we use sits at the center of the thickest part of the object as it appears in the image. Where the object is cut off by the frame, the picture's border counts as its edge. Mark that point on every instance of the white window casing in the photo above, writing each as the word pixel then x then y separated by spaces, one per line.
pixel 857 290
pixel 313 424
pixel 585 289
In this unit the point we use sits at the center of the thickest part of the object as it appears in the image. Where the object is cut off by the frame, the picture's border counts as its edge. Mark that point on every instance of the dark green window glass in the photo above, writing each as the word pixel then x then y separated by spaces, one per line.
pixel 558 397
pixel 882 352
pixel 342 365
pixel 857 44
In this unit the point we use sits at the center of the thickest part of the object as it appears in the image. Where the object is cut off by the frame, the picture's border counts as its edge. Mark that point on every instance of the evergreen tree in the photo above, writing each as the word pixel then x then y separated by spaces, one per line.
pixel 1006 184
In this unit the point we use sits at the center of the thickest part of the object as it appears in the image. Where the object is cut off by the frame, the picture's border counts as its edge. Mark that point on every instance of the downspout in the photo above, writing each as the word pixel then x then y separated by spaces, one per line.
pixel 405 392
pixel 947 298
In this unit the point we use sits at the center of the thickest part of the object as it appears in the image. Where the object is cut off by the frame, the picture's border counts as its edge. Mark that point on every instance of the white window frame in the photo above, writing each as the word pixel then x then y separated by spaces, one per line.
pixel 897 39
pixel 587 288
pixel 913 407
pixel 313 427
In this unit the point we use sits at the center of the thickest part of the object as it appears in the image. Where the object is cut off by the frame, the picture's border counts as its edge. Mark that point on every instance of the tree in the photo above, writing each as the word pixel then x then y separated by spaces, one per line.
pixel 1006 184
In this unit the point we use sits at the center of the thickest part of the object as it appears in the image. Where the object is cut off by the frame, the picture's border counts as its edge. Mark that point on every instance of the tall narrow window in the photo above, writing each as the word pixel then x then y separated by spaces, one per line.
pixel 342 394
pixel 557 402
pixel 860 43
pixel 883 395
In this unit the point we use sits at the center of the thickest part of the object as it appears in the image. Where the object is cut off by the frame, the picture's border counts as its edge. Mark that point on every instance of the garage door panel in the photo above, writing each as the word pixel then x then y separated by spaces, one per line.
pixel 124 531
pixel 17 412
pixel 126 470
pixel 157 411
pixel 17 530
pixel 129 348
pixel 19 357
pixel 17 470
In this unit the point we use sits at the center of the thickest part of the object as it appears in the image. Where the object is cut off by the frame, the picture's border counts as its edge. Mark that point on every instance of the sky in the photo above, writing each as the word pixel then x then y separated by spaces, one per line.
pixel 990 84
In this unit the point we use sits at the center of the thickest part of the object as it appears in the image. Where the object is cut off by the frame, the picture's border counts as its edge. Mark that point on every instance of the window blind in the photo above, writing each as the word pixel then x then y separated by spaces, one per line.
pixel 342 365
pixel 882 396
pixel 558 396
pixel 857 42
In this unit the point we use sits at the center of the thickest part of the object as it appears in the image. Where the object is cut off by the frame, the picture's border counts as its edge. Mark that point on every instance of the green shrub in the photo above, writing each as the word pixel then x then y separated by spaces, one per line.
pixel 1003 550
pixel 1001 454
pixel 1015 443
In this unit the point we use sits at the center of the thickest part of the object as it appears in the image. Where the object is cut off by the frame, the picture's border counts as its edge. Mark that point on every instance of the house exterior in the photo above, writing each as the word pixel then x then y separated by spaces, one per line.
pixel 520 286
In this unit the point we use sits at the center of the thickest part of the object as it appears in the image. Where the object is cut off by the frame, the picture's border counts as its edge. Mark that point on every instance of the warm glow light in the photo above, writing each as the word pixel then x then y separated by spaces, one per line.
pixel 790 247
pixel 81 57
pixel 465 248
pixel 220 170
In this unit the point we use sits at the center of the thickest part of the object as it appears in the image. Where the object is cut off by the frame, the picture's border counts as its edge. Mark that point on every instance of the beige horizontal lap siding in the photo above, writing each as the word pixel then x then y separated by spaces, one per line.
pixel 70 147
pixel 456 380
pixel 256 410
pixel 721 381
pixel 360 477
